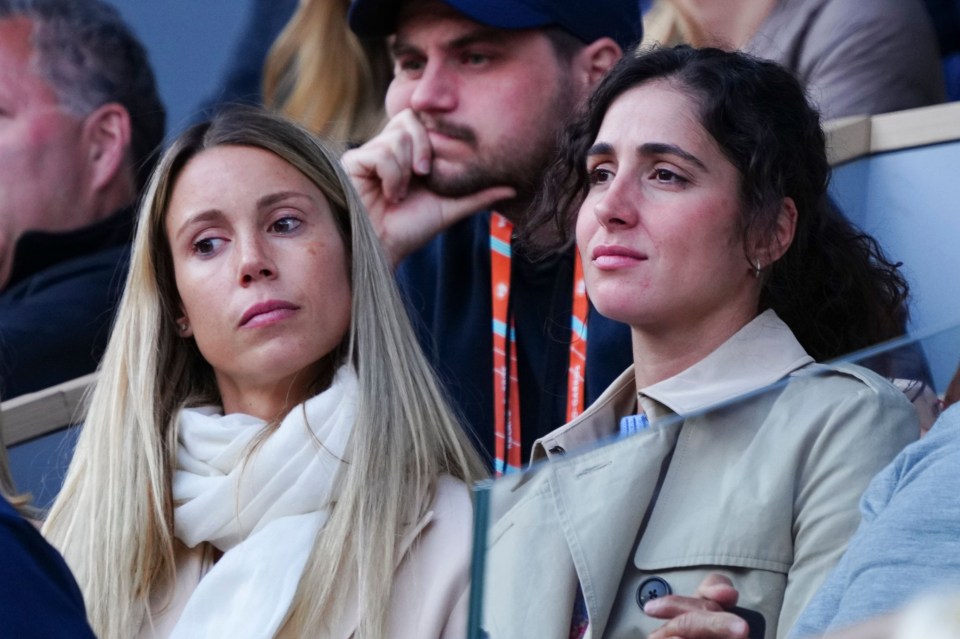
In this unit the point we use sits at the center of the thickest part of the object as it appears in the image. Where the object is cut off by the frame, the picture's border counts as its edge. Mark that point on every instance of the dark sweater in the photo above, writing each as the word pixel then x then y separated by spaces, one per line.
pixel 56 311
pixel 446 286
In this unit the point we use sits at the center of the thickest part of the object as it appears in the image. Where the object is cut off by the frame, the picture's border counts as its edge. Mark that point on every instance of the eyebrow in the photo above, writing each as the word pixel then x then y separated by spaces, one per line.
pixel 651 149
pixel 273 198
pixel 263 202
pixel 203 216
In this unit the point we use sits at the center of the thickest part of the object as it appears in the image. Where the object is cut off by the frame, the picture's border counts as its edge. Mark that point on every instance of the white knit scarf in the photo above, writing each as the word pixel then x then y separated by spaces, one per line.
pixel 262 509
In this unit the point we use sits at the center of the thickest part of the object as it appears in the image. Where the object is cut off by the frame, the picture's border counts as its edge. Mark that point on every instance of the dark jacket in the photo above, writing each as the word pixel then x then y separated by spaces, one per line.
pixel 57 309
pixel 446 286
pixel 38 595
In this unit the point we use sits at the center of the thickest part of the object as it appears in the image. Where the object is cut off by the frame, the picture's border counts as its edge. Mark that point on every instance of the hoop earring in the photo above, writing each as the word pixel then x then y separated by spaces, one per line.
pixel 756 269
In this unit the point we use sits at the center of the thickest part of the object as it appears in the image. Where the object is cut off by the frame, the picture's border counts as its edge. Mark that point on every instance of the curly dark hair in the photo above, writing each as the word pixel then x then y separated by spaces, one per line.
pixel 833 286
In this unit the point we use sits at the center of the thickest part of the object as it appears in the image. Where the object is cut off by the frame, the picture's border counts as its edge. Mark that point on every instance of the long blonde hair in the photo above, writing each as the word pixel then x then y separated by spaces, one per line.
pixel 113 519
pixel 321 75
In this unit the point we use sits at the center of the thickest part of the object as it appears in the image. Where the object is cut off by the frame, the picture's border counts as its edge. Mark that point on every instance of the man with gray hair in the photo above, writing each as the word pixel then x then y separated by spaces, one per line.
pixel 80 118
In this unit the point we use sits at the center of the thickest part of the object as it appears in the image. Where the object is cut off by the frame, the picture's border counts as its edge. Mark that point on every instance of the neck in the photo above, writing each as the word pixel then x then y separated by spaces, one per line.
pixel 727 25
pixel 661 353
pixel 267 401
pixel 108 201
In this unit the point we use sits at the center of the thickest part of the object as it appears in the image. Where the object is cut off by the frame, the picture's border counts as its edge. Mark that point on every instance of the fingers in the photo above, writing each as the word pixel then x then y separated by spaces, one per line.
pixel 674 605
pixel 387 162
pixel 703 624
pixel 405 214
pixel 718 588
pixel 405 229
pixel 454 210
pixel 420 149
pixel 700 617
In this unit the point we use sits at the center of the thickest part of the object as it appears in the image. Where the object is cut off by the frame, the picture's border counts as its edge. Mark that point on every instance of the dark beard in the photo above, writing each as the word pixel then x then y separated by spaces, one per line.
pixel 523 176
pixel 520 165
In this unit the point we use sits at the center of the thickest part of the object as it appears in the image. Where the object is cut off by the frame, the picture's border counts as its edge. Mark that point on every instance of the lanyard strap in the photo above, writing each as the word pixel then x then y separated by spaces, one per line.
pixel 506 387
pixel 506 390
pixel 577 371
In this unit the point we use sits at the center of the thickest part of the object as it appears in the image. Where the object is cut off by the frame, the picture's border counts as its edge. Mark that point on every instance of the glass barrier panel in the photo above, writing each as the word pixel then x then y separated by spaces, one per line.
pixel 760 487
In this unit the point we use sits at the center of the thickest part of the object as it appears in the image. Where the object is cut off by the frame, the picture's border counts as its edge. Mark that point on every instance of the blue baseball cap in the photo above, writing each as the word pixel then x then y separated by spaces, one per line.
pixel 588 20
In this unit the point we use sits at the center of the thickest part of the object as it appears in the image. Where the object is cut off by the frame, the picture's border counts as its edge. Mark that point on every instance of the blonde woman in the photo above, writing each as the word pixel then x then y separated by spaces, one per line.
pixel 266 453
pixel 321 75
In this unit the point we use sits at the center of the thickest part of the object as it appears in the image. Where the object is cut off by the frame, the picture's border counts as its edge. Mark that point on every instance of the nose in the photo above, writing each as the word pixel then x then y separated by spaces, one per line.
pixel 435 90
pixel 617 205
pixel 255 262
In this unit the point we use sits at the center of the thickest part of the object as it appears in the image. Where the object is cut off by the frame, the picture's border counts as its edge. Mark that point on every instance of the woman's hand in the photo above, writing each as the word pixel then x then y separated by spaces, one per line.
pixel 701 617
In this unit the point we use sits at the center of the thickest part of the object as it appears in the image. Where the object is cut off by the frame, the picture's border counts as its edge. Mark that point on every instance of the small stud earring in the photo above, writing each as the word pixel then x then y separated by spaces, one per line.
pixel 183 326
pixel 756 269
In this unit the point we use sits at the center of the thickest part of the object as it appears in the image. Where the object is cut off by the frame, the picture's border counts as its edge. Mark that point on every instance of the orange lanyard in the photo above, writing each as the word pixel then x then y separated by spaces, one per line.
pixel 506 388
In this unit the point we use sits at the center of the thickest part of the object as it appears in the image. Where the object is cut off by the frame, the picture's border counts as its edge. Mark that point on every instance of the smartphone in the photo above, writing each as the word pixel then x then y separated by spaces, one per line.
pixel 754 619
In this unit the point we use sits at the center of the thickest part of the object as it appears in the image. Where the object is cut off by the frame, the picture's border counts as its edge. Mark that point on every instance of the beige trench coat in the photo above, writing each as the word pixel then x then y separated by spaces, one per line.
pixel 431 589
pixel 764 491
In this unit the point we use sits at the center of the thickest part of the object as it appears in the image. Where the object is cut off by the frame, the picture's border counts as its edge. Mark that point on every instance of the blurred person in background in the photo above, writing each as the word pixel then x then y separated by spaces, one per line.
pixel 320 74
pixel 80 118
pixel 303 61
pixel 853 57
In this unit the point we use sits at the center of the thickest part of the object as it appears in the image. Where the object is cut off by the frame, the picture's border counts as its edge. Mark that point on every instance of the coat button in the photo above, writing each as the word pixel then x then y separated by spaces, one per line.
pixel 651 589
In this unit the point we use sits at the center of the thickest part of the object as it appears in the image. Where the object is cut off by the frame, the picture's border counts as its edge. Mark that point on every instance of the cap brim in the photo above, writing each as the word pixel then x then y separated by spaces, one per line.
pixel 378 18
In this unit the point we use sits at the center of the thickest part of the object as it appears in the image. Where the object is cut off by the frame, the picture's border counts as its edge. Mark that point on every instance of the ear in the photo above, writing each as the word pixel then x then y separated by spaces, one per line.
pixel 771 248
pixel 184 328
pixel 593 61
pixel 107 136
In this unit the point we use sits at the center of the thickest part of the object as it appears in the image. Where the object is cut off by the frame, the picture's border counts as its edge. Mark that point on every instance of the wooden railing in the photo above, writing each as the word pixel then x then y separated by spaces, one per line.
pixel 35 414
pixel 862 135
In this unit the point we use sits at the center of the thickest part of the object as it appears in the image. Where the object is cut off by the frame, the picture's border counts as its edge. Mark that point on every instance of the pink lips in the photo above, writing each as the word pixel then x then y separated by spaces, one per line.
pixel 611 256
pixel 264 313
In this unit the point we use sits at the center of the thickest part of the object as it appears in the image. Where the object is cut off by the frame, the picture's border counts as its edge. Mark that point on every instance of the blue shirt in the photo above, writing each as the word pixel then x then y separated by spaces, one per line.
pixel 908 542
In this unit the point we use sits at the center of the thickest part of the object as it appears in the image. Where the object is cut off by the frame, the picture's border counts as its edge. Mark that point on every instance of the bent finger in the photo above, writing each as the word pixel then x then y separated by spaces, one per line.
pixel 701 624
pixel 718 588
pixel 455 209
pixel 418 150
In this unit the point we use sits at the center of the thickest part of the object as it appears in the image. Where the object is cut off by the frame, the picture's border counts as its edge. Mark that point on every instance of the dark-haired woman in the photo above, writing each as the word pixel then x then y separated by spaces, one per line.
pixel 698 179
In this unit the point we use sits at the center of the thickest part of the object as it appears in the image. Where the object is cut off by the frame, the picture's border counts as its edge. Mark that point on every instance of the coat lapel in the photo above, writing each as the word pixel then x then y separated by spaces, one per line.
pixel 559 524
pixel 601 498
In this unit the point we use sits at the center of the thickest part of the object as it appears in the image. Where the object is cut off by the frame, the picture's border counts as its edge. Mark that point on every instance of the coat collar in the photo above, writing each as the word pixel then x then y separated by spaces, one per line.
pixel 759 354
